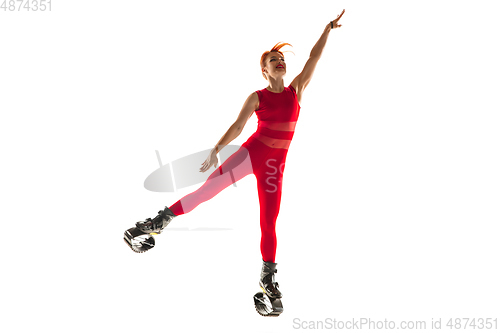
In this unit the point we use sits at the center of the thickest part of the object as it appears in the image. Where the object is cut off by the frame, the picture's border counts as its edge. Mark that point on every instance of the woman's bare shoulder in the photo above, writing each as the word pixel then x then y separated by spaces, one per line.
pixel 254 99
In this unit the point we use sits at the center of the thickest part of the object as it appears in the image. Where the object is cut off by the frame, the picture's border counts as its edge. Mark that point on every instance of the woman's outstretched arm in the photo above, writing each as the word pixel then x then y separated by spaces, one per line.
pixel 233 132
pixel 303 79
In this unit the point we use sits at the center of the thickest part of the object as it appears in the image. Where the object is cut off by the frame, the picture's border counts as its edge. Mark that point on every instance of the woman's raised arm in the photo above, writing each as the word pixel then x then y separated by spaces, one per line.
pixel 303 79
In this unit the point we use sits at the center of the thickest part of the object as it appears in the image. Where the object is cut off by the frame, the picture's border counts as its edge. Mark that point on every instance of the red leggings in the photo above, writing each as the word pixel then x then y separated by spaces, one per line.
pixel 267 164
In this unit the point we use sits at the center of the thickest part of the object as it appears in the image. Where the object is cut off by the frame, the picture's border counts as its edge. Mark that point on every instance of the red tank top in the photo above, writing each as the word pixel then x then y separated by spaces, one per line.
pixel 278 113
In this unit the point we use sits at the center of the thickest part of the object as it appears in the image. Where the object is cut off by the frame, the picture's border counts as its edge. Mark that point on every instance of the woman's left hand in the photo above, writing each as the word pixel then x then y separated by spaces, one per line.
pixel 334 24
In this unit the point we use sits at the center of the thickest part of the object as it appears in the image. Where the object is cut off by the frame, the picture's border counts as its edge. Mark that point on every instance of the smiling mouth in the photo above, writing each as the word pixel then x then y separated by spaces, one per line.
pixel 280 66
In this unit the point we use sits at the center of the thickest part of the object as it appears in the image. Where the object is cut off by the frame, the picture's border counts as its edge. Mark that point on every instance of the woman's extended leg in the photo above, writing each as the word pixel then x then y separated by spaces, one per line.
pixel 237 166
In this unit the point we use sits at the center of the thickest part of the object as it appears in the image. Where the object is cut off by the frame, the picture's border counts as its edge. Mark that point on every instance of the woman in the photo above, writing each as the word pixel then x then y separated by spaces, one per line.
pixel 263 154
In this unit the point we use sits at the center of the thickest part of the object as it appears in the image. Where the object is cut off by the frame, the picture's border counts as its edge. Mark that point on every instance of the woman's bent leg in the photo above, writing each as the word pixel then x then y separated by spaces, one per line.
pixel 237 166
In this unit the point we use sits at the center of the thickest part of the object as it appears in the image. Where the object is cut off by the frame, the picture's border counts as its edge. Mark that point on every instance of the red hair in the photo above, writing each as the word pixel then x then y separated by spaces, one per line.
pixel 276 48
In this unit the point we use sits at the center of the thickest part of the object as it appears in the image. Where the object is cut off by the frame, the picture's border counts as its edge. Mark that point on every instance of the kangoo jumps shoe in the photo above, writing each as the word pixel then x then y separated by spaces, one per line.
pixel 157 224
pixel 267 281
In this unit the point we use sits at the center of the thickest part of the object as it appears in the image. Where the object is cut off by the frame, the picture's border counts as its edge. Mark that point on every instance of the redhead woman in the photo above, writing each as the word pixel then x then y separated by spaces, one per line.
pixel 263 154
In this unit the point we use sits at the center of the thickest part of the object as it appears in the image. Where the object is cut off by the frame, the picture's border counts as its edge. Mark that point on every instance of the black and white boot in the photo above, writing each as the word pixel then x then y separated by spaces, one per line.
pixel 267 281
pixel 140 238
pixel 268 302
pixel 157 224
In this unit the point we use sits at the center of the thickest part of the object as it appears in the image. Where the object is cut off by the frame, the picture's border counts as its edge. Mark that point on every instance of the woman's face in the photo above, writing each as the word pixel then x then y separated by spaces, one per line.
pixel 274 65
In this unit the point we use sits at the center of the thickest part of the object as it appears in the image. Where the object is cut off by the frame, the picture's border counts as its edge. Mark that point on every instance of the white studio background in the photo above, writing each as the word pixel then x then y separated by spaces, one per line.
pixel 391 190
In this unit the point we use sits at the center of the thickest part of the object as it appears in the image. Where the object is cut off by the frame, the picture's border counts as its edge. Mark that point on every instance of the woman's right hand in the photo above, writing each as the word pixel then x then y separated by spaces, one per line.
pixel 211 160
